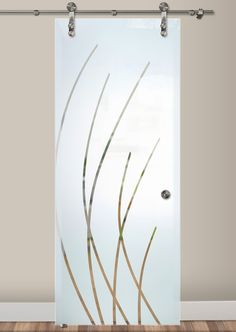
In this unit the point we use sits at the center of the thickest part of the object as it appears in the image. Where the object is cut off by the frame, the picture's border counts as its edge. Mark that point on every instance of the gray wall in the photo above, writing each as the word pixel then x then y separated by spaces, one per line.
pixel 208 135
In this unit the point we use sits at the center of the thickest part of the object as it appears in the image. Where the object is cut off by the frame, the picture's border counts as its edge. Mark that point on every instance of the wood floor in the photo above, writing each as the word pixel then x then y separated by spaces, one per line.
pixel 199 326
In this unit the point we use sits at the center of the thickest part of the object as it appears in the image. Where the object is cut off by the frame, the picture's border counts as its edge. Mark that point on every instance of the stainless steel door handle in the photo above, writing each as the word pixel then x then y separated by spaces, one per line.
pixel 165 194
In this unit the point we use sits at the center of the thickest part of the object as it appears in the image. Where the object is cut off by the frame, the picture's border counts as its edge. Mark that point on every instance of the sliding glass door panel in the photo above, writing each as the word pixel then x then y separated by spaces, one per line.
pixel 117 193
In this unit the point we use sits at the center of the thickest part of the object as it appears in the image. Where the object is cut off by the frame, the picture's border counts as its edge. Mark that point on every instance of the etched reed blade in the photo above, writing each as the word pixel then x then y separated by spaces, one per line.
pixel 121 240
pixel 70 95
pixel 72 278
pixel 87 151
pixel 90 264
pixel 93 282
pixel 56 155
pixel 118 244
pixel 141 274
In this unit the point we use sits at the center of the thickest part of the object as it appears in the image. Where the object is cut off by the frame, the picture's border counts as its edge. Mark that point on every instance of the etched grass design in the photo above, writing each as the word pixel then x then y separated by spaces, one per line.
pixel 91 246
pixel 88 211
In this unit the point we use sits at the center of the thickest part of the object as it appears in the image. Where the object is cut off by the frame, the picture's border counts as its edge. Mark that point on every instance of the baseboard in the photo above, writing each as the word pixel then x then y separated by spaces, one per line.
pixel 208 310
pixel 45 312
pixel 27 312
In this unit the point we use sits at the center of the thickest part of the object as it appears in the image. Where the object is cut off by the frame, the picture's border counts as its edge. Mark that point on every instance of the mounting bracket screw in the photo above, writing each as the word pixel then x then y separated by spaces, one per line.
pixel 71 7
pixel 164 7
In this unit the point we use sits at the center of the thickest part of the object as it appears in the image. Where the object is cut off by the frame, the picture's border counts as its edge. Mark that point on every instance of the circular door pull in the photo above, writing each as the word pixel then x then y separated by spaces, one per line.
pixel 165 194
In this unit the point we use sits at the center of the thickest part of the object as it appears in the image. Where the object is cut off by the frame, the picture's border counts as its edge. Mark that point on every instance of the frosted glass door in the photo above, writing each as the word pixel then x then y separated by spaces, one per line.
pixel 117 172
